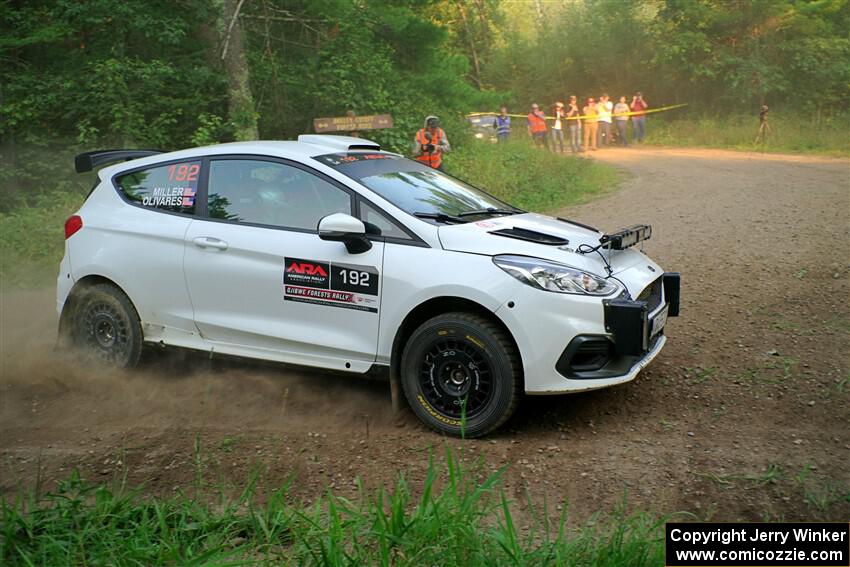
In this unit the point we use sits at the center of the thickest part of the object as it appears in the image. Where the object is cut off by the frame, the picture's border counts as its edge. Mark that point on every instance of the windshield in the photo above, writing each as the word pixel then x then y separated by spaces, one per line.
pixel 430 191
pixel 416 188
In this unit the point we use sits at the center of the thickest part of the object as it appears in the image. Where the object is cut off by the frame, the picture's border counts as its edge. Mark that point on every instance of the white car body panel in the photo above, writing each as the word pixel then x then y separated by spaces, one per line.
pixel 118 243
pixel 238 295
pixel 230 299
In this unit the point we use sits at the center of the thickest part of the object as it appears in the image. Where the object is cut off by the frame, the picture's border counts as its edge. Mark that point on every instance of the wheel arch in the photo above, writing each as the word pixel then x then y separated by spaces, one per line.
pixel 74 295
pixel 432 308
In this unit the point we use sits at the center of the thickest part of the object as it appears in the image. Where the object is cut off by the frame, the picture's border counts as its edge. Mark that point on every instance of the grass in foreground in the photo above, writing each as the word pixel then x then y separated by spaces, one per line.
pixel 789 133
pixel 528 177
pixel 455 521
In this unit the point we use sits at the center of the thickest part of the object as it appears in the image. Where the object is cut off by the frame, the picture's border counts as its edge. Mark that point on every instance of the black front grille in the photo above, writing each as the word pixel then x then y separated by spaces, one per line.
pixel 652 295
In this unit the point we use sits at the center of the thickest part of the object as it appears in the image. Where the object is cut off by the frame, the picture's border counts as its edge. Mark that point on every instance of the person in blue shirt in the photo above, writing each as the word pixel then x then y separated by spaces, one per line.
pixel 502 124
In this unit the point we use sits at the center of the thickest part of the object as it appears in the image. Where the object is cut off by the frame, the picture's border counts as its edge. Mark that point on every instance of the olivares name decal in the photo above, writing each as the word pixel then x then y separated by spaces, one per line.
pixel 331 284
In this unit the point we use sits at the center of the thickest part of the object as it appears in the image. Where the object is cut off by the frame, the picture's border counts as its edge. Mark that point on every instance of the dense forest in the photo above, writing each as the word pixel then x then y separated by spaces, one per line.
pixel 171 74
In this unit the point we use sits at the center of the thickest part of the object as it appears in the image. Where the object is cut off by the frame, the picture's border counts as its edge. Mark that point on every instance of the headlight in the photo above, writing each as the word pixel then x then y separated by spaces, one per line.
pixel 551 276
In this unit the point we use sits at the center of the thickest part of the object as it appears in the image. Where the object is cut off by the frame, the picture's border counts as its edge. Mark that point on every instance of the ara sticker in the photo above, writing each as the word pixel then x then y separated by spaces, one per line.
pixel 331 284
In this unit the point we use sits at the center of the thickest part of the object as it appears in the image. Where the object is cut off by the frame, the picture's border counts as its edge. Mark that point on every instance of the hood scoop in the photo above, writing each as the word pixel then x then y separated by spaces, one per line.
pixel 531 236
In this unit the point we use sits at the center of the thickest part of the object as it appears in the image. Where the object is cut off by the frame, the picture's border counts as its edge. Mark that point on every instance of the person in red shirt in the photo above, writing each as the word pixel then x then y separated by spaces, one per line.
pixel 536 123
pixel 639 107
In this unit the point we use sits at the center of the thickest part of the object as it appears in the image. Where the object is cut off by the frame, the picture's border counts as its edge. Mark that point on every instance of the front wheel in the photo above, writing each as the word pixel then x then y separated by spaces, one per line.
pixel 105 327
pixel 461 374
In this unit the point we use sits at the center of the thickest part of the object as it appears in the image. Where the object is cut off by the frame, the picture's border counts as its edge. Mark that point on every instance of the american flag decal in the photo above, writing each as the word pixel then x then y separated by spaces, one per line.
pixel 188 197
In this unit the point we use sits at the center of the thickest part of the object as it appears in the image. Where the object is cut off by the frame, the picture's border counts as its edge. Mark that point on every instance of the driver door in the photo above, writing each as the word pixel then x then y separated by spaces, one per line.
pixel 262 282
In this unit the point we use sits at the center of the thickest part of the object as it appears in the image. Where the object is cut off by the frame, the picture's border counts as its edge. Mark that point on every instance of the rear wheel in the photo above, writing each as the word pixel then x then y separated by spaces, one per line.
pixel 105 327
pixel 461 374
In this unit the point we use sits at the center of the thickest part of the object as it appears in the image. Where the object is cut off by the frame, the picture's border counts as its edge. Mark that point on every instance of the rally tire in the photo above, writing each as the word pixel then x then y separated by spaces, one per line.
pixel 461 374
pixel 105 327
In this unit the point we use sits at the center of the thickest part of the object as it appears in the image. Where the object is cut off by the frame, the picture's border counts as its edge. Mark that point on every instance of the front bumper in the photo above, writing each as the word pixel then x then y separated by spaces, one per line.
pixel 589 344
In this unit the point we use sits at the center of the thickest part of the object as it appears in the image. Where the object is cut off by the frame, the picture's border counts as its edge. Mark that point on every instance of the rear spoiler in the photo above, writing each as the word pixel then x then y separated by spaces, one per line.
pixel 89 160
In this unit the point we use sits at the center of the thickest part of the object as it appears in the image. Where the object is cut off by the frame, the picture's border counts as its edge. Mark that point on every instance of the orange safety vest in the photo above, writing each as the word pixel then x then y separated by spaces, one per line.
pixel 536 123
pixel 435 158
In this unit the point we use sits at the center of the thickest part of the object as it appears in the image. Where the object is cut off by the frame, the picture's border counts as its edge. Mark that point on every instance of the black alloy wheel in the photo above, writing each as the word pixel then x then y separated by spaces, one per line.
pixel 461 374
pixel 106 327
pixel 455 377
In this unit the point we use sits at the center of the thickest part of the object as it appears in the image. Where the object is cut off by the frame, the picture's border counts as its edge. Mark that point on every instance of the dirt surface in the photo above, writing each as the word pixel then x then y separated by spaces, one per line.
pixel 744 415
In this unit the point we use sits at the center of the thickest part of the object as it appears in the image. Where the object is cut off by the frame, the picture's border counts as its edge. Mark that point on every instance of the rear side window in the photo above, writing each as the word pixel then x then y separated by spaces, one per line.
pixel 169 187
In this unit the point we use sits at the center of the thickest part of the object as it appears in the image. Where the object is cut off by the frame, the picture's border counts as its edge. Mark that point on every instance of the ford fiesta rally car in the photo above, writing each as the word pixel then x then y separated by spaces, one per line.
pixel 330 253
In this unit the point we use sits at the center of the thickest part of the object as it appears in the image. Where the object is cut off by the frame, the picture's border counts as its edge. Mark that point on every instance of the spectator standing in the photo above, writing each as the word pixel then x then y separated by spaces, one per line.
pixel 604 109
pixel 574 124
pixel 764 127
pixel 558 128
pixel 639 107
pixel 536 124
pixel 621 119
pixel 431 143
pixel 590 124
pixel 502 124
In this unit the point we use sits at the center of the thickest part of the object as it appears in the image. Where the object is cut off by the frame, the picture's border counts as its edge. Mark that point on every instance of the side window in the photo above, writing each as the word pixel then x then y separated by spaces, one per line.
pixel 167 188
pixel 264 192
pixel 388 227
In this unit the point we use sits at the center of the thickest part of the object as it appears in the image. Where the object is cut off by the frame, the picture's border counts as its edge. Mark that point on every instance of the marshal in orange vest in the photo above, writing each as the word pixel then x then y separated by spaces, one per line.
pixel 433 159
pixel 536 122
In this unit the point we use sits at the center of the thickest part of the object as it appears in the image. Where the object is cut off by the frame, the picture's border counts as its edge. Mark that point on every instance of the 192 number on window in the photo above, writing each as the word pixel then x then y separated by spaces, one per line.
pixel 183 172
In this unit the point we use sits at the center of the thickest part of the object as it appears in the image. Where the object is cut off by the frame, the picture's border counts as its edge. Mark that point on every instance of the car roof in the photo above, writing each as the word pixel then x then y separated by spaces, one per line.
pixel 307 146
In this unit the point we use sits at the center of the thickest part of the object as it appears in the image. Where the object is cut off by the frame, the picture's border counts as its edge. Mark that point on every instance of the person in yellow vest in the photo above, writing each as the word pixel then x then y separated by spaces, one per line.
pixel 590 124
pixel 431 143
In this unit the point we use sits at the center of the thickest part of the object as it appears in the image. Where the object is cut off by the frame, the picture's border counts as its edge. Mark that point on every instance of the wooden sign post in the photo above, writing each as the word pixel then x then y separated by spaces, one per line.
pixel 352 123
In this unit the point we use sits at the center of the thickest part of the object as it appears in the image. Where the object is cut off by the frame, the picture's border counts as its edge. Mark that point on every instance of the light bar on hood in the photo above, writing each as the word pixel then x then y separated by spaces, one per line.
pixel 626 237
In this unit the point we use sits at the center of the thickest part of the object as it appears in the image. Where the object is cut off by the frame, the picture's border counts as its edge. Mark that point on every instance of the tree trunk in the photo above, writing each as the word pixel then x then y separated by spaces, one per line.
pixel 241 110
pixel 476 67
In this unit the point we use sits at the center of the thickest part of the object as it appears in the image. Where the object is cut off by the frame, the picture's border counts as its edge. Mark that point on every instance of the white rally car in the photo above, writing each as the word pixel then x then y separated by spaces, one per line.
pixel 330 253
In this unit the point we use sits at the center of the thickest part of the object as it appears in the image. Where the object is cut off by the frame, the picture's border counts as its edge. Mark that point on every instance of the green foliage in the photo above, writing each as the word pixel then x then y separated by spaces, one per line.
pixel 759 51
pixel 455 520
pixel 370 57
pixel 120 72
pixel 581 48
pixel 80 75
pixel 713 54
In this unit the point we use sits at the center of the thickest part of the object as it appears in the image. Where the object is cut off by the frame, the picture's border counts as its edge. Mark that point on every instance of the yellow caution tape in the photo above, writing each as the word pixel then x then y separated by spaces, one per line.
pixel 647 111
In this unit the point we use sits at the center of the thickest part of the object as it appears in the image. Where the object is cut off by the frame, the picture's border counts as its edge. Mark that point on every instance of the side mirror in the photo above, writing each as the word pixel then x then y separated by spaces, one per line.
pixel 340 227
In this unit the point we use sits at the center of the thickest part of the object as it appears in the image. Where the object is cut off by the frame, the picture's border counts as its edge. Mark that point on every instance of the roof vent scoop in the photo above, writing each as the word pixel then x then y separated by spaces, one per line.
pixel 339 143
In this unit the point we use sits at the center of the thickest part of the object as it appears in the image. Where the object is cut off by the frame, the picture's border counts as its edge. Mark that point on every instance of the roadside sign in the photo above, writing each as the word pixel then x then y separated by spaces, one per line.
pixel 353 123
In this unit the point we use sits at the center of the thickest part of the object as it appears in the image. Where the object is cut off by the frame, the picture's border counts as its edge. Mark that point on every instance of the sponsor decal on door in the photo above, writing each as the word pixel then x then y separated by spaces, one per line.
pixel 331 284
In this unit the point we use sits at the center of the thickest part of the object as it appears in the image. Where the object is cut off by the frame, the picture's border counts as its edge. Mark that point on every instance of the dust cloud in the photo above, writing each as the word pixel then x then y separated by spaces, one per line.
pixel 42 386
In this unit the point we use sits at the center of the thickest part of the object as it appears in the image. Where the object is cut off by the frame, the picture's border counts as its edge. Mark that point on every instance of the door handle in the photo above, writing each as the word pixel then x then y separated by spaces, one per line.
pixel 210 242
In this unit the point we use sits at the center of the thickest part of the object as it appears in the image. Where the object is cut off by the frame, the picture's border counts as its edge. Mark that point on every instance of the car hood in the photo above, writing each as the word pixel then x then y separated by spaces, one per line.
pixel 539 236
